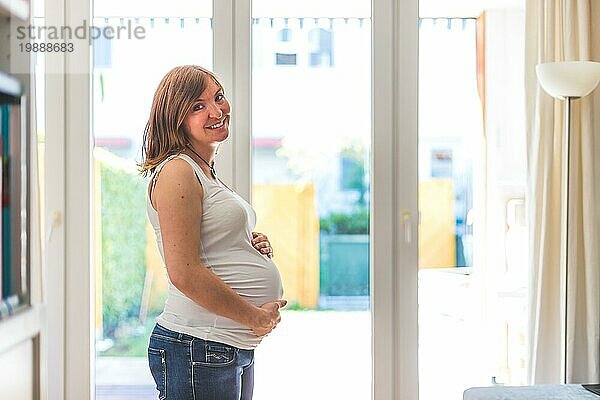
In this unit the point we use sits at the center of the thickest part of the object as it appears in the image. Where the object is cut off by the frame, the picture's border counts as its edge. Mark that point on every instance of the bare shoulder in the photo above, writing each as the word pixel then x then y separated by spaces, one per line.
pixel 179 206
pixel 177 167
pixel 177 186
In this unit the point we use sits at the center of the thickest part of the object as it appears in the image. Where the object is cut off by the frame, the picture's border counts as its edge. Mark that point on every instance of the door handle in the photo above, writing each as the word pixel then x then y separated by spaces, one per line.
pixel 406 218
pixel 56 221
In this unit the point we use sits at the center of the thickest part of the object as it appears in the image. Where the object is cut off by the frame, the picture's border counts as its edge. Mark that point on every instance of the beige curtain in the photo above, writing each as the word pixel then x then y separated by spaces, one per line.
pixel 559 30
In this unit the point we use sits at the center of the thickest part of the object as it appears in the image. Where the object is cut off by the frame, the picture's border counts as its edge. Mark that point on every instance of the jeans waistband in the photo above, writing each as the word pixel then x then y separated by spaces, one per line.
pixel 161 330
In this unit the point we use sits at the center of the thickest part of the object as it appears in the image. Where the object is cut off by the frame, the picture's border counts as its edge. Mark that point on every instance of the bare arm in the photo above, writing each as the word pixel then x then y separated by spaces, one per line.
pixel 177 197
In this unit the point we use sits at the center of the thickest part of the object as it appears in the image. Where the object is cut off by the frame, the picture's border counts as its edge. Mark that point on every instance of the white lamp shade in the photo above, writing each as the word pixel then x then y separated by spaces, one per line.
pixel 568 78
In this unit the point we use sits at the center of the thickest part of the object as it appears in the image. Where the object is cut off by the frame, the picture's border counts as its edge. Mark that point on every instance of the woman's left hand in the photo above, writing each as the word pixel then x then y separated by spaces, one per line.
pixel 262 244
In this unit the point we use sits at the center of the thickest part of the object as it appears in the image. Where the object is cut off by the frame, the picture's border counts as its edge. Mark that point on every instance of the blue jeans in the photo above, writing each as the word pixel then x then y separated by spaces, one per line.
pixel 185 367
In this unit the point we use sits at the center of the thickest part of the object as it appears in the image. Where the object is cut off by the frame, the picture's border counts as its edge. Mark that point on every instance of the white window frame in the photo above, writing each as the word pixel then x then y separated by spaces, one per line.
pixel 68 169
pixel 394 199
pixel 232 63
pixel 69 284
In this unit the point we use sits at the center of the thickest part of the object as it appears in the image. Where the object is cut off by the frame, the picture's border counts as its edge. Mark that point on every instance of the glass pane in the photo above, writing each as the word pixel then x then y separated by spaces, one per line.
pixel 472 235
pixel 131 283
pixel 311 132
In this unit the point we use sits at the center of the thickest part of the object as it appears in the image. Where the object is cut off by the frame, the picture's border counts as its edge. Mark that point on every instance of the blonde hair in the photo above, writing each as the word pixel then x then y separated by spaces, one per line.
pixel 164 133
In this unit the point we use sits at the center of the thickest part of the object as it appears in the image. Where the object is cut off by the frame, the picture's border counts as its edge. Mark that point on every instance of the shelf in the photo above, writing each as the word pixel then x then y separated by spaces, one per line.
pixel 14 8
pixel 22 326
pixel 9 85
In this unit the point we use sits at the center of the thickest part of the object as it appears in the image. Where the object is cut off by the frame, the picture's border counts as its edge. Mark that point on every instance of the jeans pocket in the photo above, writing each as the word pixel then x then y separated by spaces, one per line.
pixel 218 354
pixel 158 368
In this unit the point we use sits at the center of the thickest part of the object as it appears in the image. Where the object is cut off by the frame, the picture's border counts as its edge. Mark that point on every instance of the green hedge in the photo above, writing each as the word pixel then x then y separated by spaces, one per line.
pixel 355 222
pixel 123 246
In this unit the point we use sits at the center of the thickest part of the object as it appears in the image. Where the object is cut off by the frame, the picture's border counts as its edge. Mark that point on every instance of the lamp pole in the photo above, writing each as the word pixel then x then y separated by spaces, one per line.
pixel 566 195
pixel 567 80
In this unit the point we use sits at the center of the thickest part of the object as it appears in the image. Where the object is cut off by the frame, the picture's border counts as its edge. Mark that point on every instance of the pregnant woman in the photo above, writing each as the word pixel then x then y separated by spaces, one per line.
pixel 225 291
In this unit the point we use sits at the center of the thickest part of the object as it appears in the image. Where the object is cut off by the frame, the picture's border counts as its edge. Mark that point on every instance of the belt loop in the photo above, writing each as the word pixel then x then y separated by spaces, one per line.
pixel 179 336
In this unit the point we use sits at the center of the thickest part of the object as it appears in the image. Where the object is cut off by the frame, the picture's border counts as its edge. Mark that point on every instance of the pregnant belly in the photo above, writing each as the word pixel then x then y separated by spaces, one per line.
pixel 255 278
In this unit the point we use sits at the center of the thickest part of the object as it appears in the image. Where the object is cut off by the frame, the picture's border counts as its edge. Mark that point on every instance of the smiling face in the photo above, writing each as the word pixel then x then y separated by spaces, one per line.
pixel 207 123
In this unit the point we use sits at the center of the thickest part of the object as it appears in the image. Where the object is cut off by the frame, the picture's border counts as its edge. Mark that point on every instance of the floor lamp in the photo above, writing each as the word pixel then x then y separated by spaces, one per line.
pixel 568 80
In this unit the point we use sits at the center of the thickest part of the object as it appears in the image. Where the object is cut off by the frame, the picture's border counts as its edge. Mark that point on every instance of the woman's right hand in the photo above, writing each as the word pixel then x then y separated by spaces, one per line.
pixel 268 317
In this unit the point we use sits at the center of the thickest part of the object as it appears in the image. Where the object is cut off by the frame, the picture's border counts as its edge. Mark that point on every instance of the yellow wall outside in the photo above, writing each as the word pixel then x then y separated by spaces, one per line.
pixel 437 246
pixel 286 213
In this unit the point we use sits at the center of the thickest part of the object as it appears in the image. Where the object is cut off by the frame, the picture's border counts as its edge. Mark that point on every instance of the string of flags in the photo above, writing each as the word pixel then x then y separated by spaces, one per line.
pixel 300 22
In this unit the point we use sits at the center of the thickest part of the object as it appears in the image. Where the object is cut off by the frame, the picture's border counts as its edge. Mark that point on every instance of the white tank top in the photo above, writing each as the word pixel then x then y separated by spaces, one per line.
pixel 226 249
